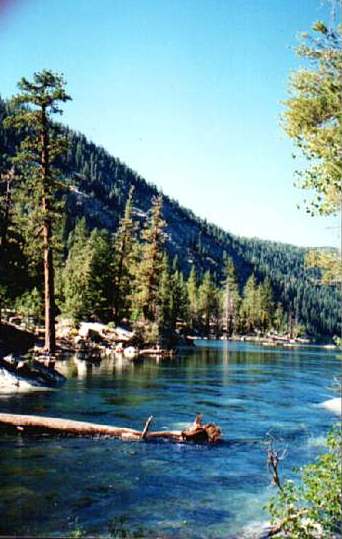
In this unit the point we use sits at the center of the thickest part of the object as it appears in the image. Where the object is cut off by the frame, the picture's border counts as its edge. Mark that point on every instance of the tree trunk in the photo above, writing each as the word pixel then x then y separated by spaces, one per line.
pixel 49 291
pixel 49 287
pixel 116 309
pixel 197 433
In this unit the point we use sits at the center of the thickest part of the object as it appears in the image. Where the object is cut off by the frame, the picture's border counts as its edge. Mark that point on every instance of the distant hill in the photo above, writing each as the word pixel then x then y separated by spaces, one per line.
pixel 98 189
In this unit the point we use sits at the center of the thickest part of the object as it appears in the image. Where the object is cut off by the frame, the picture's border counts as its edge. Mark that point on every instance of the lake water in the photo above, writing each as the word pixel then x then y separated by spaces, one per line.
pixel 52 485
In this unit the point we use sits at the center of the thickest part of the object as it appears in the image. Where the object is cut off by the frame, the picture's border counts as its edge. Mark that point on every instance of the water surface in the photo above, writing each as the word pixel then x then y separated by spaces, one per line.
pixel 52 485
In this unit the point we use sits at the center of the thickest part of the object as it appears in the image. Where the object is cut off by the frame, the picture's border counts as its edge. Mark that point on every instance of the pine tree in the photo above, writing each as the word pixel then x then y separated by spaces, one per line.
pixel 123 262
pixel 230 299
pixel 250 305
pixel 86 281
pixel 165 304
pixel 73 282
pixel 208 301
pixel 178 290
pixel 279 319
pixel 100 281
pixel 192 293
pixel 172 301
pixel 266 305
pixel 149 268
pixel 35 160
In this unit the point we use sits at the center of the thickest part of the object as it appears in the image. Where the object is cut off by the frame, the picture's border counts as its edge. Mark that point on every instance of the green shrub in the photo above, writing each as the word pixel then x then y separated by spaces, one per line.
pixel 313 507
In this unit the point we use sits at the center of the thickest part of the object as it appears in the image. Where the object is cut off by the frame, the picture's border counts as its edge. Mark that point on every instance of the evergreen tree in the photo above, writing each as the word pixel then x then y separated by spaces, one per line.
pixel 180 295
pixel 208 300
pixel 86 281
pixel 100 283
pixel 165 304
pixel 73 282
pixel 149 268
pixel 41 146
pixel 230 299
pixel 192 294
pixel 279 319
pixel 250 305
pixel 266 305
pixel 123 262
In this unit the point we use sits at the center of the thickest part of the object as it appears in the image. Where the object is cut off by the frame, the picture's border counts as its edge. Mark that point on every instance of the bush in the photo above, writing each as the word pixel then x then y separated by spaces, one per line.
pixel 313 507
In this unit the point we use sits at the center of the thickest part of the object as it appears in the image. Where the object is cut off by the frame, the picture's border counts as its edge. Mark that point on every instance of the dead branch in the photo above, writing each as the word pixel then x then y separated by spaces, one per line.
pixel 147 426
pixel 273 459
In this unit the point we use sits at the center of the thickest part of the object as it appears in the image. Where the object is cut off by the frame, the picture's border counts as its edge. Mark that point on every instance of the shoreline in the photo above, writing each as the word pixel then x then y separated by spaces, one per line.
pixel 102 340
pixel 105 341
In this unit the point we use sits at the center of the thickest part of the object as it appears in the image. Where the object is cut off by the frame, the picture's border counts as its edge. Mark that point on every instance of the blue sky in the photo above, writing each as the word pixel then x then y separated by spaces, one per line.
pixel 186 92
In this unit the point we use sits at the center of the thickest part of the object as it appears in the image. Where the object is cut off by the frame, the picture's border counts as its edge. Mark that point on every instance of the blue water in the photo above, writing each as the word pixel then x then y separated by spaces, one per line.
pixel 52 485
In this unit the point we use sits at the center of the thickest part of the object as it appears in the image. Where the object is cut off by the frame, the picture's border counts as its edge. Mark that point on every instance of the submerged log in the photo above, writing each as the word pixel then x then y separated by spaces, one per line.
pixel 198 433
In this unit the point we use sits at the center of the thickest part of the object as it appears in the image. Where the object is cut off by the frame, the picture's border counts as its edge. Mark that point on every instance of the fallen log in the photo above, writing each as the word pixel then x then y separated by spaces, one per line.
pixel 197 433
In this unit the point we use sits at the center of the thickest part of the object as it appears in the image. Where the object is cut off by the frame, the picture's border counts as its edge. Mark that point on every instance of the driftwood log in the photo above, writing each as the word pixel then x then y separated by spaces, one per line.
pixel 197 433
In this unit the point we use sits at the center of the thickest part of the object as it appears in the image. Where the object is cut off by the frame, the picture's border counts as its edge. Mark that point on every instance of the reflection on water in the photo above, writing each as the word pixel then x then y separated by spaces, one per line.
pixel 75 367
pixel 50 485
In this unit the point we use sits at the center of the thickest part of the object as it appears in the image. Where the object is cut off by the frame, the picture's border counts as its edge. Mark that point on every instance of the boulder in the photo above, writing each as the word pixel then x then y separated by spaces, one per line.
pixel 65 328
pixel 90 329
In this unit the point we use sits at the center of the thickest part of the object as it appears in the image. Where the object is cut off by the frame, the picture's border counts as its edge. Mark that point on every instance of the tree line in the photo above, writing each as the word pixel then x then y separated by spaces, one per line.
pixel 128 276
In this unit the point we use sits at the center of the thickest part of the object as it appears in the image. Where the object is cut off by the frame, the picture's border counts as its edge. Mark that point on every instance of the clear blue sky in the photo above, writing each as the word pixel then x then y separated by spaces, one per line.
pixel 186 92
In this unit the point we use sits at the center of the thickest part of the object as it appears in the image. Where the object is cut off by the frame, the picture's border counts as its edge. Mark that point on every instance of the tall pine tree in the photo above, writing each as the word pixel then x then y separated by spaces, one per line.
pixel 72 282
pixel 266 305
pixel 123 262
pixel 230 299
pixel 86 280
pixel 36 103
pixel 208 301
pixel 192 293
pixel 250 305
pixel 149 268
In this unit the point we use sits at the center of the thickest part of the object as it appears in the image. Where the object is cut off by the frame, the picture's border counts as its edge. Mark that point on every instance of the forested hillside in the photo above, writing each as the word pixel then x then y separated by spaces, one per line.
pixel 96 186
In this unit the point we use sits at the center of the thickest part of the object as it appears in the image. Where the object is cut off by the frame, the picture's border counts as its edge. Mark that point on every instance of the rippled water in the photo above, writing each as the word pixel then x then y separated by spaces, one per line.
pixel 50 486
